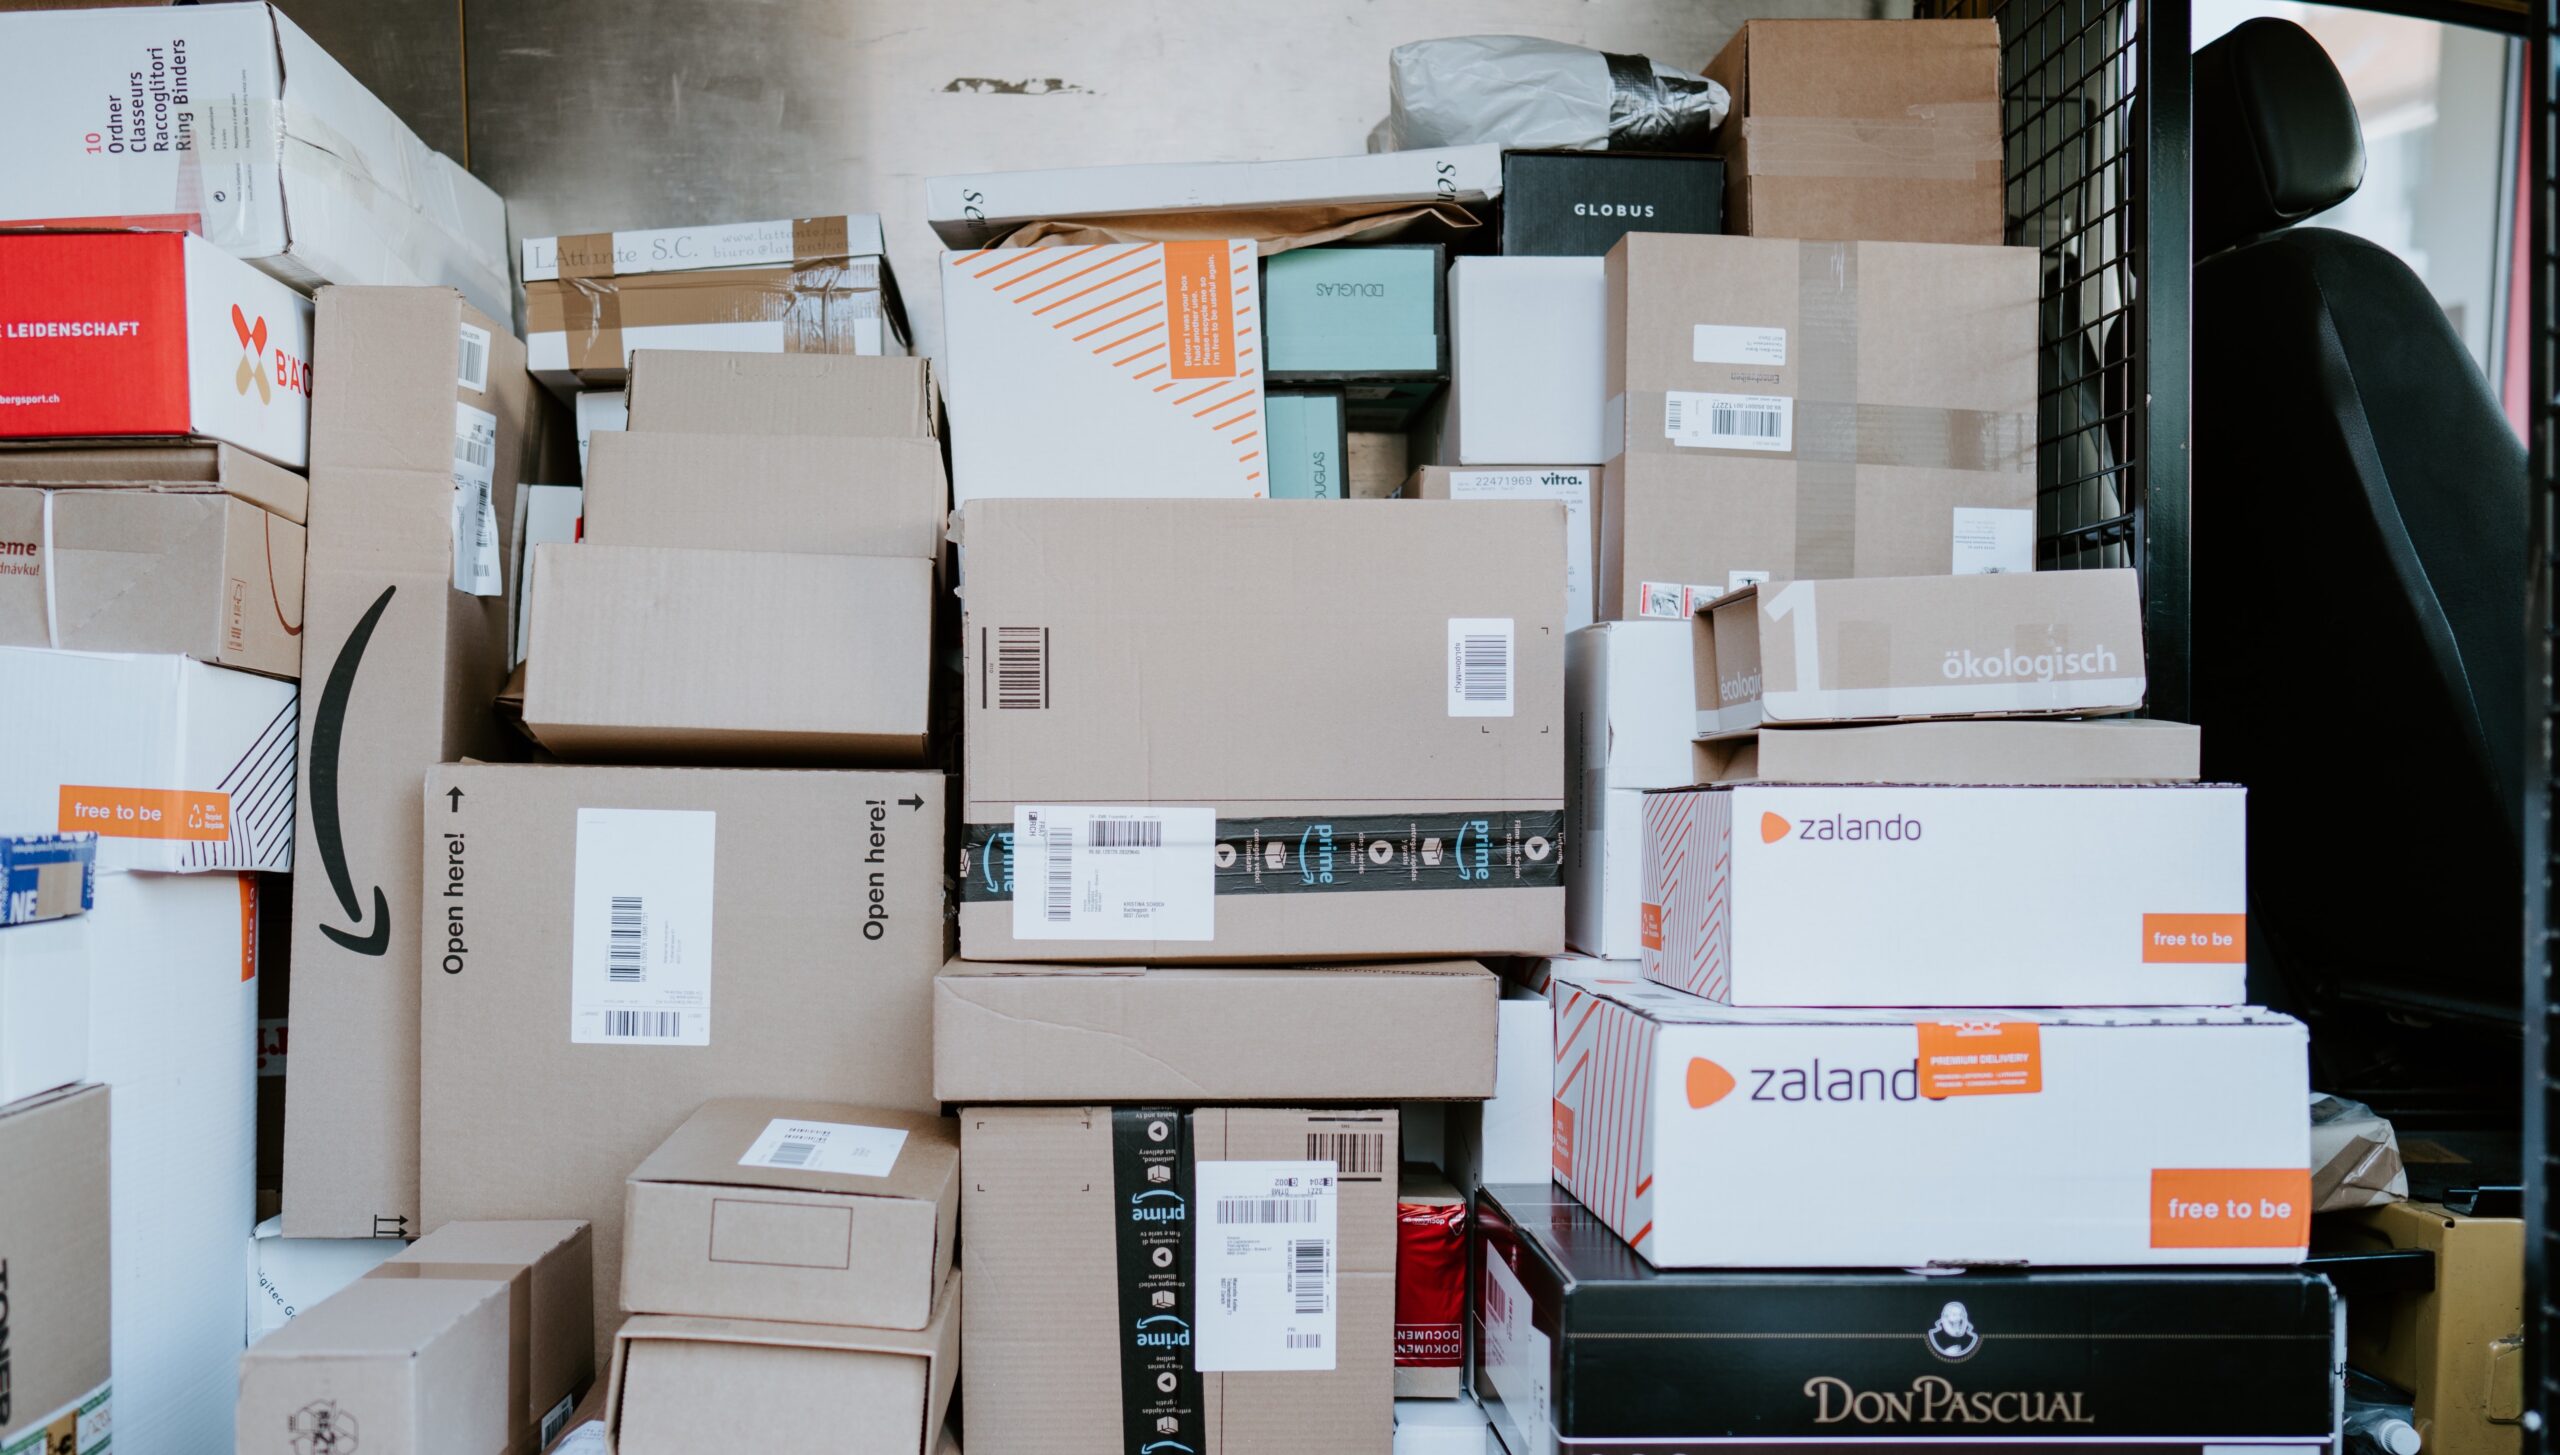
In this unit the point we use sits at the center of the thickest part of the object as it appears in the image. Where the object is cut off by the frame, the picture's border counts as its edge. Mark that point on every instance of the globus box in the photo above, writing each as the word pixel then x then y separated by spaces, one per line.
pixel 686 1384
pixel 228 121
pixel 1898 649
pixel 977 209
pixel 1112 770
pixel 401 1365
pixel 803 1211
pixel 1985 750
pixel 1572 485
pixel 790 924
pixel 201 575
pixel 54 1240
pixel 150 336
pixel 1582 1346
pixel 1221 1277
pixel 200 468
pixel 1528 348
pixel 2046 1138
pixel 2123 895
pixel 548 1267
pixel 1577 204
pixel 405 638
pixel 177 767
pixel 1628 697
pixel 1103 371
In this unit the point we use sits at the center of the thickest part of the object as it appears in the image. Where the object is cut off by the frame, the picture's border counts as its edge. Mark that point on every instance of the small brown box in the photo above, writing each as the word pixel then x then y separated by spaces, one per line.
pixel 392 1366
pixel 549 1270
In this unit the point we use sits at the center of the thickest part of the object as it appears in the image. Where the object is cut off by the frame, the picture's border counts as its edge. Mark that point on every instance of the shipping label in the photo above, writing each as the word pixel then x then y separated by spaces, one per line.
pixel 640 927
pixel 1129 873
pixel 1266 1257
pixel 798 1146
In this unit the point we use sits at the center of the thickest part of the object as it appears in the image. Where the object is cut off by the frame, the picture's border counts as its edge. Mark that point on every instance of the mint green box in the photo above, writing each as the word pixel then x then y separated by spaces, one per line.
pixel 1347 313
pixel 1309 443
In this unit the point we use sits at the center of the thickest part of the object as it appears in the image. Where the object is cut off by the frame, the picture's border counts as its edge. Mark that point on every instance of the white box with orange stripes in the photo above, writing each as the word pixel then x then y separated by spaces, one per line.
pixel 1116 370
pixel 1876 895
pixel 1917 1139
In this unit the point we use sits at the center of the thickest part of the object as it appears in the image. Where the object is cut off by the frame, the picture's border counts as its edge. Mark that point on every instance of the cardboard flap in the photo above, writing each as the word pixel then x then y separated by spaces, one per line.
pixel 707 1148
pixel 185 468
pixel 374 1316
pixel 934 1341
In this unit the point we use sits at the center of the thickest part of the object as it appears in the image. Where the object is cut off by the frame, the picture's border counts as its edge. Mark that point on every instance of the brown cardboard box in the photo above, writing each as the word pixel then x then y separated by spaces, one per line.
pixel 2116 750
pixel 768 394
pixel 196 468
pixel 2457 1344
pixel 1431 1285
pixel 685 1385
pixel 641 653
pixel 390 1366
pixel 1058 1285
pixel 804 1211
pixel 812 979
pixel 832 305
pixel 549 1270
pixel 1276 685
pixel 402 669
pixel 200 575
pixel 1369 1033
pixel 1794 653
pixel 1863 129
pixel 815 494
pixel 53 1268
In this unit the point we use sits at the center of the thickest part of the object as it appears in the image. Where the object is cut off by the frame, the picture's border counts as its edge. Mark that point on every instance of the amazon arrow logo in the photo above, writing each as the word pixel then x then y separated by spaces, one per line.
pixel 328 728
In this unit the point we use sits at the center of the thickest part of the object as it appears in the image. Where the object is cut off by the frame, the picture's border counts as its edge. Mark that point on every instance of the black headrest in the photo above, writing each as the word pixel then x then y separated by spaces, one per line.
pixel 2276 136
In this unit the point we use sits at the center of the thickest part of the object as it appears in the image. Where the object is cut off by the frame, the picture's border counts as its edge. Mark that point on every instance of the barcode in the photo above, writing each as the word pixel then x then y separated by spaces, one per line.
pixel 474 369
pixel 1484 668
pixel 1062 875
pixel 647 1025
pixel 1307 1341
pixel 1266 1209
pixel 1022 667
pixel 1728 422
pixel 1671 415
pixel 1307 1258
pixel 1351 1153
pixel 471 449
pixel 1128 833
pixel 792 1154
pixel 626 953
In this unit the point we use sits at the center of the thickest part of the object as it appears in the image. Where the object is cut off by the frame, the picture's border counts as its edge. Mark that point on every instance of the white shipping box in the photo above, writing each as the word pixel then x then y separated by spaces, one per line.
pixel 1528 360
pixel 600 409
pixel 173 1019
pixel 975 209
pixel 1443 1427
pixel 1860 895
pixel 229 120
pixel 45 976
pixel 175 765
pixel 769 243
pixel 1629 703
pixel 545 514
pixel 1912 1140
pixel 1575 487
pixel 1113 371
pixel 1604 875
pixel 288 1275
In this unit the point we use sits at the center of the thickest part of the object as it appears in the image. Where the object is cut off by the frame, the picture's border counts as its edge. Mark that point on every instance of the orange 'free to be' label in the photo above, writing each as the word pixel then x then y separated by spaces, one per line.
pixel 2195 939
pixel 1199 310
pixel 1564 1140
pixel 2228 1207
pixel 1981 1058
pixel 146 813
pixel 1649 927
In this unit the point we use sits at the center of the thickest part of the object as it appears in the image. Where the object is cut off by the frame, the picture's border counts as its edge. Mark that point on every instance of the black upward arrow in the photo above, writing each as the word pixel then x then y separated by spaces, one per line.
pixel 455 795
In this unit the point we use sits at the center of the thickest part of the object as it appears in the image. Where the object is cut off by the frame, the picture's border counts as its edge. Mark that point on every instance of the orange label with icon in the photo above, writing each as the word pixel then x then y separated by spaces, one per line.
pixel 1981 1058
pixel 145 813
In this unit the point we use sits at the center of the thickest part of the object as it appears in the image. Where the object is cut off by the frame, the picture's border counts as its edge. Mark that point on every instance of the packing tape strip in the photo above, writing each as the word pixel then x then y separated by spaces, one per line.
pixel 1827 370
pixel 1950 143
pixel 1649 111
pixel 1487 849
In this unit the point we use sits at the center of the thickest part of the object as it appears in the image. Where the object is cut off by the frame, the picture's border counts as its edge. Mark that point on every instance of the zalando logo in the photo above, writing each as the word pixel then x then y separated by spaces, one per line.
pixel 1895 829
pixel 1709 1083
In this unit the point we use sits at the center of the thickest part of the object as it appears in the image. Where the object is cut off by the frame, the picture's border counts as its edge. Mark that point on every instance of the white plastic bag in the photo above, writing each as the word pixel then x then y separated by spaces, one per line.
pixel 1523 92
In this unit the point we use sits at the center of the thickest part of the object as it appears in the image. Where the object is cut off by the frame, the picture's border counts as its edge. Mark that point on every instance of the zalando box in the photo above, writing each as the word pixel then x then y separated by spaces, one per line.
pixel 2036 644
pixel 1989 896
pixel 2056 1138
pixel 1181 761
pixel 1113 370
pixel 150 336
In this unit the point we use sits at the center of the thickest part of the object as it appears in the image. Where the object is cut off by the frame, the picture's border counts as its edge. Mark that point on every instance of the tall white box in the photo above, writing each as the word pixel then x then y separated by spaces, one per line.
pixel 1628 699
pixel 229 120
pixel 1528 352
pixel 1111 371
pixel 1862 895
pixel 44 1005
pixel 1917 1139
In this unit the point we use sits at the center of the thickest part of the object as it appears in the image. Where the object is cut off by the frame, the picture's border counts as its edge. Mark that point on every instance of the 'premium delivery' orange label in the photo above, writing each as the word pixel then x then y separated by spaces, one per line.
pixel 146 813
pixel 2195 939
pixel 1649 926
pixel 1981 1058
pixel 2230 1207
pixel 1199 311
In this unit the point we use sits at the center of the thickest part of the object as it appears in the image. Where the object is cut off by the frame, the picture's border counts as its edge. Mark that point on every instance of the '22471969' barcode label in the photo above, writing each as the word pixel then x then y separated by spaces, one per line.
pixel 1481 671
pixel 1730 421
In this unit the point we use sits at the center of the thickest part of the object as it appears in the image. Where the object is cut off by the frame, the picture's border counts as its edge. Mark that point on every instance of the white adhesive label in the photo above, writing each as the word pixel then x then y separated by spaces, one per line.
pixel 846 1147
pixel 1574 488
pixel 640 927
pixel 1989 541
pixel 1672 601
pixel 1725 343
pixel 471 359
pixel 1264 1265
pixel 1481 670
pixel 587 1439
pixel 1516 1360
pixel 1125 873
pixel 1730 421
pixel 475 514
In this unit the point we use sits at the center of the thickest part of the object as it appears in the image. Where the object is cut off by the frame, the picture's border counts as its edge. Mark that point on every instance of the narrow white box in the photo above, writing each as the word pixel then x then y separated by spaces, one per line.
pixel 1528 349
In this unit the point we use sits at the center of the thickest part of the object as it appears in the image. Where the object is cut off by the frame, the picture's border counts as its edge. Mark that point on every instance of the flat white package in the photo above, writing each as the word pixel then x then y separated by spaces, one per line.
pixel 1443 1427
pixel 1528 351
pixel 1504 1137
pixel 231 117
pixel 765 244
pixel 545 514
pixel 173 1018
pixel 175 765
pixel 1861 895
pixel 1628 698
pixel 1918 1139
pixel 977 208
pixel 600 409
pixel 45 973
pixel 288 1275
pixel 1118 370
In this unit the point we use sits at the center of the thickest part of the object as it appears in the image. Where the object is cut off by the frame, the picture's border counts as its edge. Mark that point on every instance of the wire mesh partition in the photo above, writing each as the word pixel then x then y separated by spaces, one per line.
pixel 2095 107
pixel 2542 623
